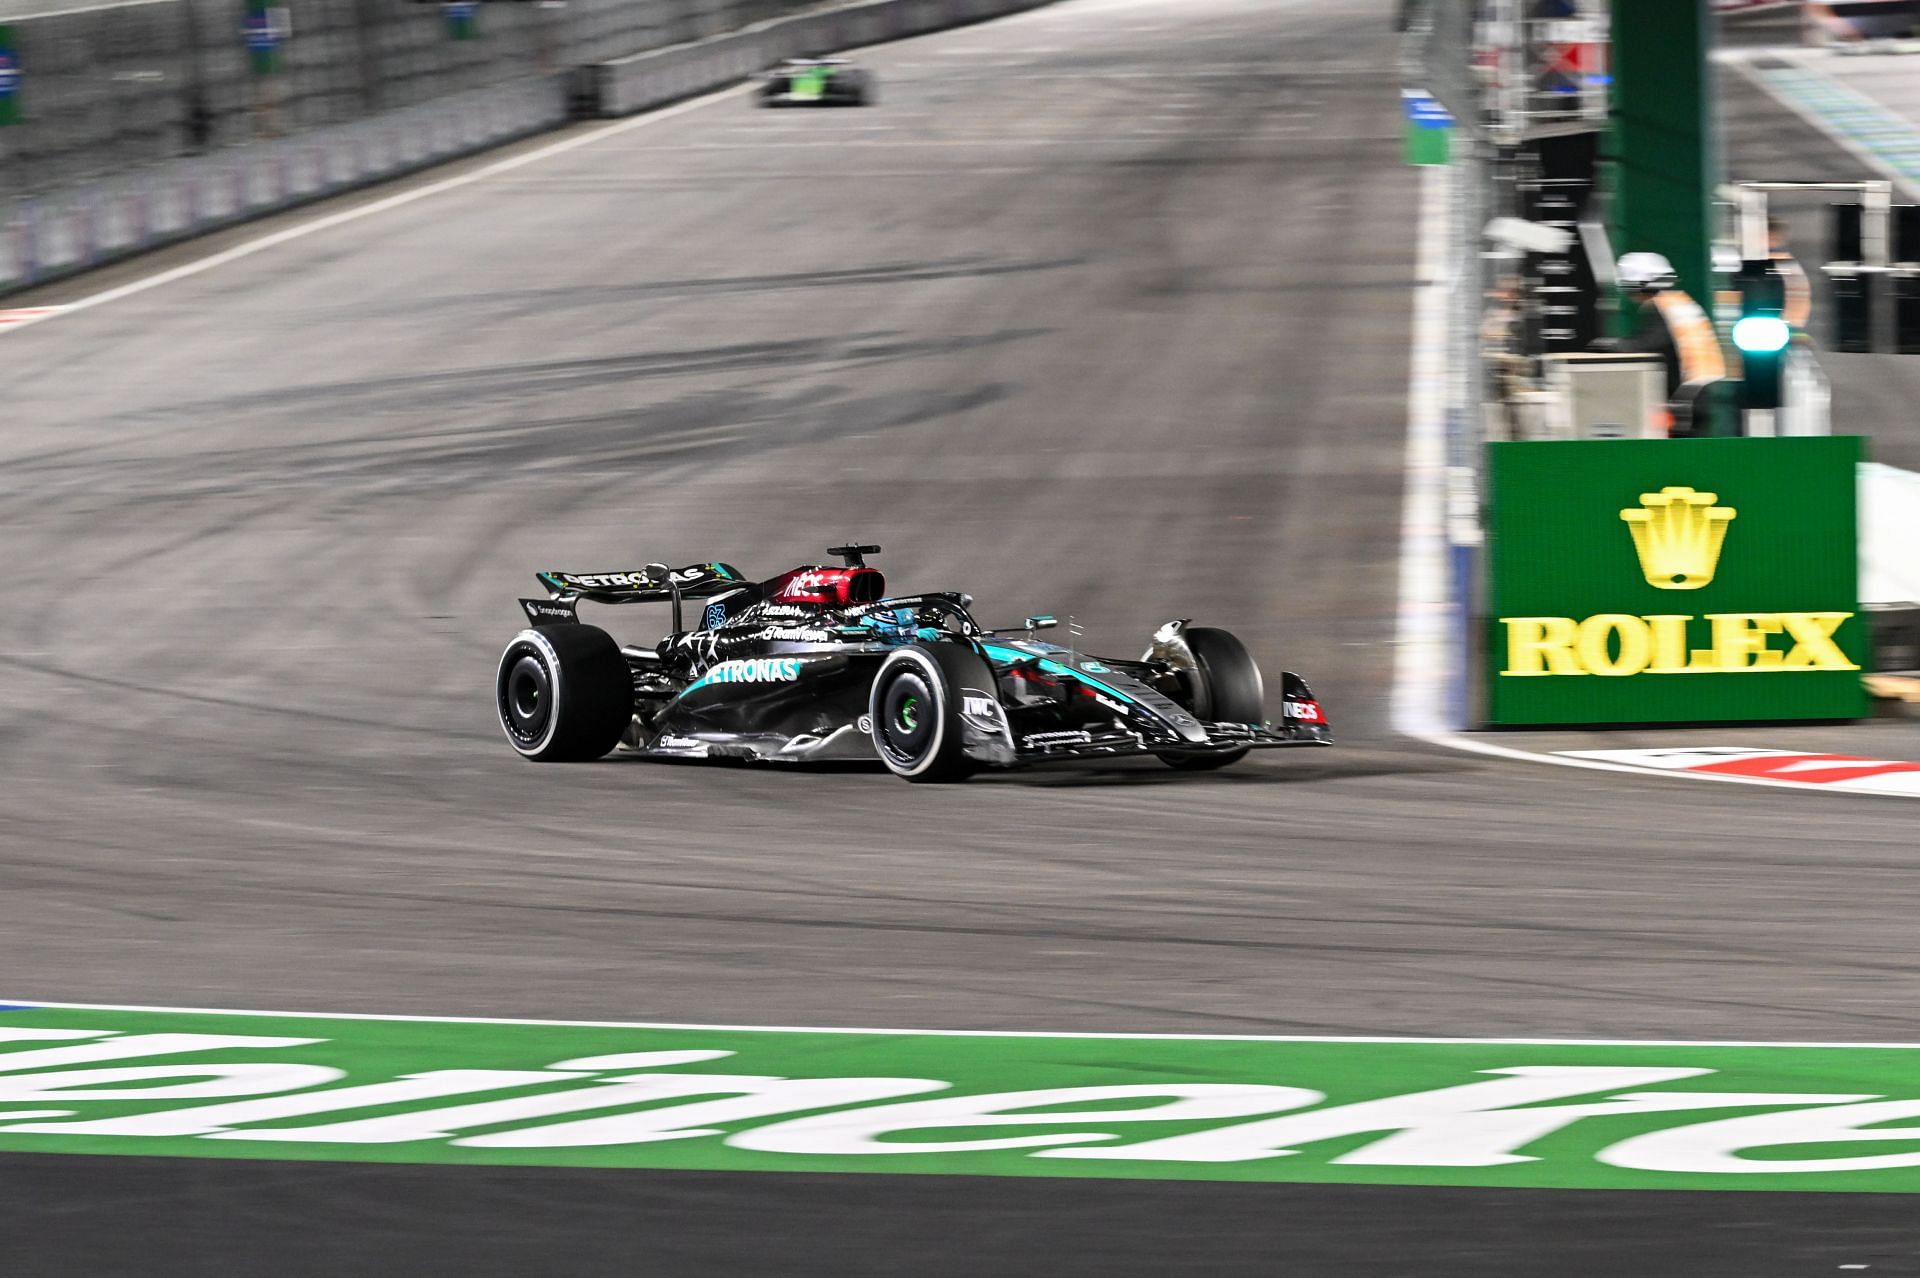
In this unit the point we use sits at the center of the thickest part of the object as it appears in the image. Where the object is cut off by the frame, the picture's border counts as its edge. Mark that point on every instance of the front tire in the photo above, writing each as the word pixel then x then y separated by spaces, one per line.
pixel 563 693
pixel 914 710
pixel 1226 687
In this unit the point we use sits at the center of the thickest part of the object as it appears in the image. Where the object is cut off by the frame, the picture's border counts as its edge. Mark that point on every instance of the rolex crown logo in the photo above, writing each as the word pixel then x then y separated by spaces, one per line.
pixel 1677 533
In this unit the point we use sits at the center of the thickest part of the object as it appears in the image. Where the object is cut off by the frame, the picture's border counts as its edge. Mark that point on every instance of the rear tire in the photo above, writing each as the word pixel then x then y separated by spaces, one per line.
pixel 563 693
pixel 1226 688
pixel 914 710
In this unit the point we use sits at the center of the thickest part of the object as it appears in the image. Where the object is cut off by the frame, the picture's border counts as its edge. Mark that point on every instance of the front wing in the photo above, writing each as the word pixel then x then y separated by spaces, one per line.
pixel 848 743
pixel 1222 738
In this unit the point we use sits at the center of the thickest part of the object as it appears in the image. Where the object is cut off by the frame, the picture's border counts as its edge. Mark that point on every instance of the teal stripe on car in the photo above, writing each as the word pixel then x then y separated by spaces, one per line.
pixel 1056 667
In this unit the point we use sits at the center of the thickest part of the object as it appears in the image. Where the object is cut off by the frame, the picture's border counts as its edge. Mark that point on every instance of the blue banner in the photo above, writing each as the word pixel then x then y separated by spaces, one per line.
pixel 9 78
pixel 1424 111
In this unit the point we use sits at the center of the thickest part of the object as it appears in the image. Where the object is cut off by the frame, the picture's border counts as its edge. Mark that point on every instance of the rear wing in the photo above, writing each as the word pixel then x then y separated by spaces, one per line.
pixel 646 585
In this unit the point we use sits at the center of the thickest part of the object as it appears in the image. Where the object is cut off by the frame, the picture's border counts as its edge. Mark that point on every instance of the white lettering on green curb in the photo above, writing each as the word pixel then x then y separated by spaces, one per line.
pixel 210 1120
pixel 1460 1112
pixel 1712 1147
pixel 1474 1125
pixel 120 1049
pixel 858 1131
pixel 750 1098
pixel 775 1095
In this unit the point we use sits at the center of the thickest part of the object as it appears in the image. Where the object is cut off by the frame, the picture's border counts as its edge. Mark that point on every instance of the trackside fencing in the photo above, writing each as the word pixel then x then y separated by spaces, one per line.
pixel 136 136
pixel 625 85
pixel 104 88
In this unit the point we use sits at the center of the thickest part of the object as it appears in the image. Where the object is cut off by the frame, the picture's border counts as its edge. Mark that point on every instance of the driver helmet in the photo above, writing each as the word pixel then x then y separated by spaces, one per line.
pixel 1646 272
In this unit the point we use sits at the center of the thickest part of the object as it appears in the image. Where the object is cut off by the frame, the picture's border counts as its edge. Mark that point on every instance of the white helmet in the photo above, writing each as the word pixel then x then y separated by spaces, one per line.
pixel 1646 272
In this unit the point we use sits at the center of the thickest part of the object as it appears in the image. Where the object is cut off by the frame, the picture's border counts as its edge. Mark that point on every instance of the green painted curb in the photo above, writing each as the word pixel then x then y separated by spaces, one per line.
pixel 88 1080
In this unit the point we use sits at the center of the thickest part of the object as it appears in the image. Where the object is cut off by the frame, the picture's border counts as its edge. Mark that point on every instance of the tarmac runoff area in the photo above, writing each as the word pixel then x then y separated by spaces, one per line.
pixel 324 471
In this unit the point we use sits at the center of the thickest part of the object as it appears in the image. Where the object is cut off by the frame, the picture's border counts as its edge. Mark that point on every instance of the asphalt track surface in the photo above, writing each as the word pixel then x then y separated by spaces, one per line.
pixel 1103 311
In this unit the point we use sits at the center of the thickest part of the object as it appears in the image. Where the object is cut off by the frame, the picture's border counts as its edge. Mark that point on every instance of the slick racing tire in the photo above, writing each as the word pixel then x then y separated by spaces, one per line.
pixel 914 710
pixel 1226 688
pixel 564 693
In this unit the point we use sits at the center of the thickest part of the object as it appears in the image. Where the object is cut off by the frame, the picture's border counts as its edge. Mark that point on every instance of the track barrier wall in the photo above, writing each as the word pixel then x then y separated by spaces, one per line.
pixel 652 78
pixel 147 123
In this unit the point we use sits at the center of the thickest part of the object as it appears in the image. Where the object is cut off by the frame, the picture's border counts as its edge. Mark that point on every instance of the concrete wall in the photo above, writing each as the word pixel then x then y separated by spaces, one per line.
pixel 105 89
pixel 120 170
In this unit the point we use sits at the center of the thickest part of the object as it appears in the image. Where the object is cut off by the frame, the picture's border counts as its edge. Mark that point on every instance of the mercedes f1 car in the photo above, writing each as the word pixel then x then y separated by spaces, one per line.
pixel 816 82
pixel 821 664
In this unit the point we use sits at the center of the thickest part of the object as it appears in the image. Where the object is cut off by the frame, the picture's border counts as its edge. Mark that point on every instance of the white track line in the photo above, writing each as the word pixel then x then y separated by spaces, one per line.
pixel 30 1004
pixel 1424 667
pixel 287 235
pixel 1421 666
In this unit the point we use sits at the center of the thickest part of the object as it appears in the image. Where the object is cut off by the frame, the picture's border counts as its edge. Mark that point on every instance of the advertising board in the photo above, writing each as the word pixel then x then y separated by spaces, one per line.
pixel 9 77
pixel 1674 581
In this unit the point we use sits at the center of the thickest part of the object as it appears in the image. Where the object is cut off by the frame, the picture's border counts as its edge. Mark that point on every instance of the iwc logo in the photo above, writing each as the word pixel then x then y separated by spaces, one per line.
pixel 1677 533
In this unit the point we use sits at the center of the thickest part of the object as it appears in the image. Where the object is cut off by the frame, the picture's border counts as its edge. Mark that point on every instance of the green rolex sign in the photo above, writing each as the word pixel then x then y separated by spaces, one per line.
pixel 1674 581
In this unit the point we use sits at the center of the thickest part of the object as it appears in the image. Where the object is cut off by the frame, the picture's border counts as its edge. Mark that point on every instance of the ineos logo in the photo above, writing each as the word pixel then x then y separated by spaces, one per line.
pixel 809 583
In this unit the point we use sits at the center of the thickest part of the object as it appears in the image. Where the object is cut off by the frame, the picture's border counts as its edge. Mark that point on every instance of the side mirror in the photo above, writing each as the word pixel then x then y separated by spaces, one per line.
pixel 664 573
pixel 1045 621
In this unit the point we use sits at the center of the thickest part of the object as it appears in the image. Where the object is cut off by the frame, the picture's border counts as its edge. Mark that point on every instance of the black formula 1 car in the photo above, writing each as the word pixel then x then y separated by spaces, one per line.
pixel 816 82
pixel 820 664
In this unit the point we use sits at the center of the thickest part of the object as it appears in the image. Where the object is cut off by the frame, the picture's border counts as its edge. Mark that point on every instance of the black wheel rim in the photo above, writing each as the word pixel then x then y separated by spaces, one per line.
pixel 907 717
pixel 526 698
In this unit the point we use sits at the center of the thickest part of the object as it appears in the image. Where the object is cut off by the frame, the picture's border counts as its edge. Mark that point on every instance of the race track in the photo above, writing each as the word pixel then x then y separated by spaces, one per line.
pixel 1103 311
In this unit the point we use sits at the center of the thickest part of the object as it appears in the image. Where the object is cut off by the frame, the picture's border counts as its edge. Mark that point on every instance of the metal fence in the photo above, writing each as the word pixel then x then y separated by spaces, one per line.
pixel 1513 70
pixel 107 89
pixel 372 120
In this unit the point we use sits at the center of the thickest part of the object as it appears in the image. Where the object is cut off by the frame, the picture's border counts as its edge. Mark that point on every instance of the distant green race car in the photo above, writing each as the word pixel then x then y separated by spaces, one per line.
pixel 817 82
